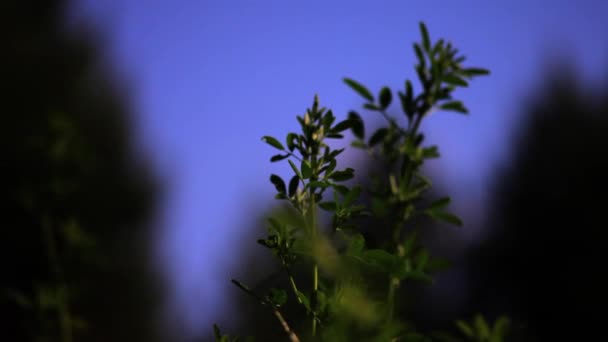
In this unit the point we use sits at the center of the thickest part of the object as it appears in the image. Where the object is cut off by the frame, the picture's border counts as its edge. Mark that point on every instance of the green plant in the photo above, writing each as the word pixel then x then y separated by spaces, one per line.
pixel 340 303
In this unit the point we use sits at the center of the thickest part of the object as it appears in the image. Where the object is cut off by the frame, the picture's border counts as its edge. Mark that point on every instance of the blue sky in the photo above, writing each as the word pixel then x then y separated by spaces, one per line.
pixel 209 78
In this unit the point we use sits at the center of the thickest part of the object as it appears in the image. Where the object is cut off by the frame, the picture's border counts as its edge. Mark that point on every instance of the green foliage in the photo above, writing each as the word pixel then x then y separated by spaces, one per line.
pixel 338 300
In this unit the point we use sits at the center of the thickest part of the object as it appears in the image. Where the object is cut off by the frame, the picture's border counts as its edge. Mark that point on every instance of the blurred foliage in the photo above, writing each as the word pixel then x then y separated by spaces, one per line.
pixel 544 258
pixel 76 197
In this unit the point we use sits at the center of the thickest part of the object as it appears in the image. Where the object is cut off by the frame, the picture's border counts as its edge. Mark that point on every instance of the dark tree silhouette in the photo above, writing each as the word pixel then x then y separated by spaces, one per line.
pixel 76 198
pixel 544 261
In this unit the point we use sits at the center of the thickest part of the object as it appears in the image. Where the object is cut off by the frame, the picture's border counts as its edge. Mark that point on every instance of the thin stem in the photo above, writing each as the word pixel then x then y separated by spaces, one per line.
pixel 315 269
pixel 65 325
pixel 292 335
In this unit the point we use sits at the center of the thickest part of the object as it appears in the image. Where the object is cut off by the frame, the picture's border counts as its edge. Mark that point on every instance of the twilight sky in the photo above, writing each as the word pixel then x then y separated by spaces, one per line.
pixel 209 78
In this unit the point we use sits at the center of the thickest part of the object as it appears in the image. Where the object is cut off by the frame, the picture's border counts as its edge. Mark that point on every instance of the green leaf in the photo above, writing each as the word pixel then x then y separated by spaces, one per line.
pixel 455 106
pixel 420 56
pixel 355 245
pixel 360 89
pixel 306 170
pixel 443 216
pixel 475 72
pixel 216 332
pixel 352 195
pixel 483 331
pixel 318 184
pixel 422 259
pixel 371 106
pixel 295 169
pixel 455 80
pixel 293 185
pixel 279 184
pixel 378 136
pixel 343 175
pixel 426 40
pixel 303 300
pixel 278 297
pixel 430 152
pixel 379 258
pixel 247 290
pixel 357 126
pixel 466 329
pixel 329 206
pixel 278 157
pixel 289 140
pixel 385 98
pixel 408 246
pixel 273 142
pixel 342 126
pixel 501 325
pixel 440 203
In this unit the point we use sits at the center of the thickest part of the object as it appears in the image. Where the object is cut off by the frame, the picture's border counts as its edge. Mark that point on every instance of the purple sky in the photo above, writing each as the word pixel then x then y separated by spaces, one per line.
pixel 209 78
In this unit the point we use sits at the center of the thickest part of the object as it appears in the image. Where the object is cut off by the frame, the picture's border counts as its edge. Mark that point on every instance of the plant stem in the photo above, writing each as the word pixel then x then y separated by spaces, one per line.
pixel 292 335
pixel 315 268
pixel 61 291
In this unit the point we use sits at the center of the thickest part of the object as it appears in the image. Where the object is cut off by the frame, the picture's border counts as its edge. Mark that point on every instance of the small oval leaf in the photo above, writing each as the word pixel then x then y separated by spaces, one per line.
pixel 359 88
pixel 273 142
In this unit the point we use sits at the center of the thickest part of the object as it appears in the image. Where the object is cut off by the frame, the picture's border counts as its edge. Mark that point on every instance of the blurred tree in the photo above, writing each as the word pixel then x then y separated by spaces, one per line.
pixel 544 259
pixel 76 199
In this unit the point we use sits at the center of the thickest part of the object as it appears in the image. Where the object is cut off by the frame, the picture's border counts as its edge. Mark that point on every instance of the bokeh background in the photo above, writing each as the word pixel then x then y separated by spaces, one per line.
pixel 132 139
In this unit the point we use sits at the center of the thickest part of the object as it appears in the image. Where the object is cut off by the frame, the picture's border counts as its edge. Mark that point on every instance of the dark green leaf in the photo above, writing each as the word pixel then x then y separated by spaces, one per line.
pixel 501 325
pixel 420 56
pixel 385 98
pixel 293 185
pixel 335 153
pixel 455 80
pixel 278 297
pixel 247 290
pixel 305 169
pixel 371 106
pixel 380 258
pixel 483 331
pixel 340 188
pixel 278 157
pixel 408 245
pixel 273 142
pixel 465 328
pixel 342 126
pixel 378 136
pixel 291 145
pixel 303 300
pixel 443 216
pixel 352 195
pixel 295 169
pixel 360 89
pixel 475 72
pixel 356 245
pixel 329 206
pixel 278 183
pixel 357 126
pixel 455 106
pixel 440 203
pixel 430 152
pixel 343 175
pixel 426 40
pixel 421 259
pixel 216 332
pixel 419 275
pixel 334 136
pixel 318 184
